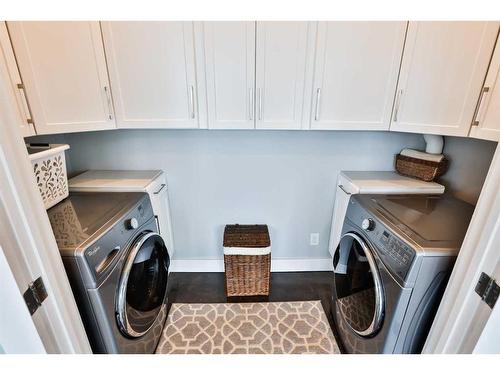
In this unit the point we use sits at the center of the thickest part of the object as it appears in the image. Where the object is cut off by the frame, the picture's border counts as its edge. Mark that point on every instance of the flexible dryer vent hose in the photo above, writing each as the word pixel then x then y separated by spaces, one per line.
pixel 434 143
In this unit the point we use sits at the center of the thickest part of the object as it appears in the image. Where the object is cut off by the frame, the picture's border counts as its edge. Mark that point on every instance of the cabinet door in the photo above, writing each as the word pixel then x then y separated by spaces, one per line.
pixel 443 68
pixel 355 74
pixel 63 69
pixel 7 53
pixel 152 71
pixel 486 124
pixel 230 73
pixel 284 54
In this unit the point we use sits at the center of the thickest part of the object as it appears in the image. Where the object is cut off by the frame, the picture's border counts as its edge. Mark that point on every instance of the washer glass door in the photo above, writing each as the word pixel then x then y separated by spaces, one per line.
pixel 358 287
pixel 143 285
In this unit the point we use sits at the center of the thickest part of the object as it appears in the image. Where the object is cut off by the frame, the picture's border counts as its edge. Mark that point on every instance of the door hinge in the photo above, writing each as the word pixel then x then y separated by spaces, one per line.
pixel 487 289
pixel 35 295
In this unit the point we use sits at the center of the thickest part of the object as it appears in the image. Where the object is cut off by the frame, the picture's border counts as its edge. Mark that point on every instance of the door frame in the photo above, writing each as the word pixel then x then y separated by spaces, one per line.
pixel 26 235
pixel 462 315
pixel 31 251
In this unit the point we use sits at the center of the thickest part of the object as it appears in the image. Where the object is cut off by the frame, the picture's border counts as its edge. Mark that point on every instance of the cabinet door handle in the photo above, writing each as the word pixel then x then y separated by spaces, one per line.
pixel 260 103
pixel 344 190
pixel 191 100
pixel 108 100
pixel 396 109
pixel 251 107
pixel 160 189
pixel 318 98
pixel 27 111
pixel 475 120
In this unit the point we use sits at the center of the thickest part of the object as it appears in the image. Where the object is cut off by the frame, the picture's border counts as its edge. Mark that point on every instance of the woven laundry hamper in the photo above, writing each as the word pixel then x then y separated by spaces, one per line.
pixel 247 260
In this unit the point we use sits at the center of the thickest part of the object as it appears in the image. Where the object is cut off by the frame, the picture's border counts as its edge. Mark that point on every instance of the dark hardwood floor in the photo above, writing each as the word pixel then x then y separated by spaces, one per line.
pixel 209 287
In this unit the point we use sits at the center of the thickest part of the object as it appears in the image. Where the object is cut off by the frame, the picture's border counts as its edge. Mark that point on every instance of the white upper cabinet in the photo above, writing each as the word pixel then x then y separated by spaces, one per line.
pixel 7 53
pixel 153 73
pixel 442 72
pixel 230 74
pixel 486 123
pixel 420 77
pixel 63 70
pixel 284 54
pixel 355 74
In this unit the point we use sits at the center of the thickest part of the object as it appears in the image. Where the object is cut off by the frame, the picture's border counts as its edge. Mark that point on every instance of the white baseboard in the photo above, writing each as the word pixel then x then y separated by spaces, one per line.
pixel 277 265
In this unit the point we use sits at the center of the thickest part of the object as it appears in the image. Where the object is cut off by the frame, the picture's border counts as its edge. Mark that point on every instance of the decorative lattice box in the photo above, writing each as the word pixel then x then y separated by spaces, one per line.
pixel 49 167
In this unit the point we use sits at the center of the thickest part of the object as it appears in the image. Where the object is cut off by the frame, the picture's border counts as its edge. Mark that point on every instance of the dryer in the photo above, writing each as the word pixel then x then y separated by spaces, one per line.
pixel 117 265
pixel 391 268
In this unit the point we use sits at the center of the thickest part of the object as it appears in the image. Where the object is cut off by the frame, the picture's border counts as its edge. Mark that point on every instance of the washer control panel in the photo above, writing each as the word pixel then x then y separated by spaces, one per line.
pixel 400 253
pixel 397 255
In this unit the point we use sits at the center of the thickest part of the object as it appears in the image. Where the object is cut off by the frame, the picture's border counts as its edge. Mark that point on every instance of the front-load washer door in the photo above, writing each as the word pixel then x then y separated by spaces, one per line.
pixel 143 285
pixel 358 287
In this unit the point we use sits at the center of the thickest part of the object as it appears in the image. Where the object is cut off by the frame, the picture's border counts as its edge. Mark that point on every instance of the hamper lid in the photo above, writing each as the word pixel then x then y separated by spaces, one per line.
pixel 246 236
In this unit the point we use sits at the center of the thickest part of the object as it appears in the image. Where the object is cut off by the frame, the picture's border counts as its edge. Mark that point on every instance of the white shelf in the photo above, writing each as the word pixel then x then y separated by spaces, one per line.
pixel 387 182
pixel 113 180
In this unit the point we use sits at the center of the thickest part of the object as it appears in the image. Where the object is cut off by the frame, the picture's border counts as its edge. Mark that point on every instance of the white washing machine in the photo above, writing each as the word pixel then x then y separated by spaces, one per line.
pixel 350 183
pixel 152 182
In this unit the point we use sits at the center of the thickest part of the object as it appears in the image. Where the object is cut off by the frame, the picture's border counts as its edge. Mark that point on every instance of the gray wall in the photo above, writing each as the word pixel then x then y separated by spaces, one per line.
pixel 283 178
pixel 470 160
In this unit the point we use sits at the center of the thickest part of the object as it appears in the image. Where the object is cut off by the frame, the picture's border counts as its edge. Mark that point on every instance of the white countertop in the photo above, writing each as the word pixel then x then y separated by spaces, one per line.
pixel 113 180
pixel 385 182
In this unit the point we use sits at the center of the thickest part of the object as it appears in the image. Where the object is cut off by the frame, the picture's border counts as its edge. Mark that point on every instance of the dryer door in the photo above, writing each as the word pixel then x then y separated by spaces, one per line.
pixel 143 285
pixel 358 287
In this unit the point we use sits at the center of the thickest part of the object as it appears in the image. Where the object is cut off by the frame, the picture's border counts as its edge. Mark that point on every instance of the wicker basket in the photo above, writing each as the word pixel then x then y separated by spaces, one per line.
pixel 49 167
pixel 247 260
pixel 422 169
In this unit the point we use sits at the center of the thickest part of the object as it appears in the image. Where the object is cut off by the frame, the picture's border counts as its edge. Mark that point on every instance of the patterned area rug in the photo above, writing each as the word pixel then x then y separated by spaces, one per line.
pixel 247 328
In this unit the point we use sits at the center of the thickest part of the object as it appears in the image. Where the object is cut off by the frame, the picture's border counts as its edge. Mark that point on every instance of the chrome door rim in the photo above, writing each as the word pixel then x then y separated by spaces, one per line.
pixel 121 301
pixel 379 293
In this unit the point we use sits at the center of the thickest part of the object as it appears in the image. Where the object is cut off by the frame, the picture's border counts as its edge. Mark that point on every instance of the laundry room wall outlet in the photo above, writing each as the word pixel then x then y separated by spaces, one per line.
pixel 314 239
